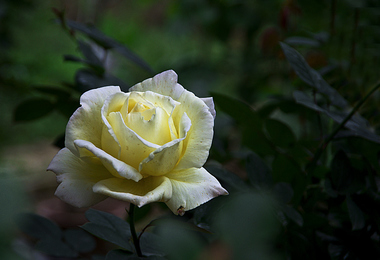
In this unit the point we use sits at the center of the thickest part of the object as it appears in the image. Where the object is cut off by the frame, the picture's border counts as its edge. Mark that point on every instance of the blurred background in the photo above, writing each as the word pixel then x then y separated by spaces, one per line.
pixel 224 46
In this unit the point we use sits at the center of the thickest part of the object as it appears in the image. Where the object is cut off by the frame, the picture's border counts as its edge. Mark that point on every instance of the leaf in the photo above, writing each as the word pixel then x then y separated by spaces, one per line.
pixel 87 79
pixel 279 133
pixel 248 119
pixel 109 43
pixel 32 109
pixel 293 214
pixel 296 40
pixel 79 240
pixel 258 172
pixel 344 177
pixel 119 254
pixel 151 244
pixel 89 53
pixel 108 227
pixel 38 227
pixel 283 192
pixel 355 213
pixel 303 99
pixel 228 179
pixel 312 77
pixel 358 125
pixel 55 247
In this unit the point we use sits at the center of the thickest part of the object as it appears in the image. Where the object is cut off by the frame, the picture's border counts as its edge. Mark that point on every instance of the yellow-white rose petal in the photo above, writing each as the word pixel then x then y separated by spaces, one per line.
pixel 197 145
pixel 165 158
pixel 211 106
pixel 109 141
pixel 145 191
pixel 155 130
pixel 84 124
pixel 164 83
pixel 191 188
pixel 76 178
pixel 114 166
pixel 134 149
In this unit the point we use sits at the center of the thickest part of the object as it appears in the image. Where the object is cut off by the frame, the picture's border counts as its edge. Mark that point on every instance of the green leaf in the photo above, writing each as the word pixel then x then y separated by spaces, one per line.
pixel 108 43
pixel 355 213
pixel 258 172
pixel 279 133
pixel 293 214
pixel 357 125
pixel 151 244
pixel 89 54
pixel 283 192
pixel 119 254
pixel 88 79
pixel 79 240
pixel 296 40
pixel 228 179
pixel 38 227
pixel 312 77
pixel 108 227
pixel 344 177
pixel 248 119
pixel 32 109
pixel 55 247
pixel 303 99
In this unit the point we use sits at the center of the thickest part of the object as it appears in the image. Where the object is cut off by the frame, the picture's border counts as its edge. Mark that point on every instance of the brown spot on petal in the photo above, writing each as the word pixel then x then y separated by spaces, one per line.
pixel 181 211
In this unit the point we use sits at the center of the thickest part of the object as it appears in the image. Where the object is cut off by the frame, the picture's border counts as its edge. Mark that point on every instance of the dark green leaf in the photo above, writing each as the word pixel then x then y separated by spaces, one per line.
pixel 248 119
pixel 108 227
pixel 283 192
pixel 151 244
pixel 108 43
pixel 355 213
pixel 301 98
pixel 358 125
pixel 87 79
pixel 302 41
pixel 284 169
pixel 228 179
pixel 311 76
pixel 79 240
pixel 293 215
pixel 32 109
pixel 258 172
pixel 119 254
pixel 279 133
pixel 55 247
pixel 57 92
pixel 38 227
pixel 344 177
pixel 89 54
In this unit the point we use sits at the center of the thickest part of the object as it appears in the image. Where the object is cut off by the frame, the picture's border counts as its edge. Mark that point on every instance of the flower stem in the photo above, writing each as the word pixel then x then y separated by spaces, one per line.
pixel 136 241
pixel 321 149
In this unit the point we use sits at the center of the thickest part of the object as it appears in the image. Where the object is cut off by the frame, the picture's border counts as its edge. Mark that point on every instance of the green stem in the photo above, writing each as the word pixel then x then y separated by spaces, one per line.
pixel 136 241
pixel 321 149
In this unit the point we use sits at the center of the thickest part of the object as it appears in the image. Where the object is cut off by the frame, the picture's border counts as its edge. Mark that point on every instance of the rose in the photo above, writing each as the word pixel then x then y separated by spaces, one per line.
pixel 143 146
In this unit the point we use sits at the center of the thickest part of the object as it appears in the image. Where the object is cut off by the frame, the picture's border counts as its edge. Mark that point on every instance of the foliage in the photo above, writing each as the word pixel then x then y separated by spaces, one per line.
pixel 302 166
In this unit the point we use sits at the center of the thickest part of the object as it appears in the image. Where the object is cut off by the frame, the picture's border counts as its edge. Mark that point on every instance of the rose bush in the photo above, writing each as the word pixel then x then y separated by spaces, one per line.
pixel 143 146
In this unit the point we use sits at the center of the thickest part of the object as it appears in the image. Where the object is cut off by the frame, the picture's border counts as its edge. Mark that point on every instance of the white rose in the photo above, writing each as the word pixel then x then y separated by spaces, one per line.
pixel 143 146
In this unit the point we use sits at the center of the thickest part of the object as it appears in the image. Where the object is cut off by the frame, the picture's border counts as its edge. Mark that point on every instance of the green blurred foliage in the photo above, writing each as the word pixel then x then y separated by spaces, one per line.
pixel 302 172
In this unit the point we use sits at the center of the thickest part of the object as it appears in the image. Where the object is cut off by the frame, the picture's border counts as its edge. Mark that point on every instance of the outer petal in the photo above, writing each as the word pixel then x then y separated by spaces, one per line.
pixel 76 179
pixel 147 190
pixel 191 188
pixel 86 123
pixel 165 158
pixel 164 83
pixel 210 103
pixel 113 165
pixel 198 142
